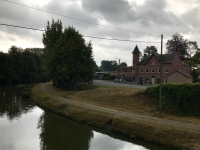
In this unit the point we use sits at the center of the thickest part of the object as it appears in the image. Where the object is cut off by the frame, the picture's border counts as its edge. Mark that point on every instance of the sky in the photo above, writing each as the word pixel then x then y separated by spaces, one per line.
pixel 136 20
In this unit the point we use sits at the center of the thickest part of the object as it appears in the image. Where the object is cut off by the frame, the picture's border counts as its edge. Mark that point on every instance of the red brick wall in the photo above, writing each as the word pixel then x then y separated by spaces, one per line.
pixel 177 77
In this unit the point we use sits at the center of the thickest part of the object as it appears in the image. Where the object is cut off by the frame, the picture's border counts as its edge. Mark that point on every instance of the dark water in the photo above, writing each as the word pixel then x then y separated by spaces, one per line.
pixel 24 126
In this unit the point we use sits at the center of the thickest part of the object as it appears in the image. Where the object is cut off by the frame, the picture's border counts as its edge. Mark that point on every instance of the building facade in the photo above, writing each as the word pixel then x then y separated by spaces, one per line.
pixel 147 70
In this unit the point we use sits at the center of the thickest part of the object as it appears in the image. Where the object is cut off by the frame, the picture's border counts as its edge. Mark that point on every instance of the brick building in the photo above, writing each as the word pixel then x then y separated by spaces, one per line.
pixel 147 70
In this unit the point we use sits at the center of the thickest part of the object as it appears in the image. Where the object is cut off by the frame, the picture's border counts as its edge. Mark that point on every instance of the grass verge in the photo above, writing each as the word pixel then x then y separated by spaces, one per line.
pixel 163 134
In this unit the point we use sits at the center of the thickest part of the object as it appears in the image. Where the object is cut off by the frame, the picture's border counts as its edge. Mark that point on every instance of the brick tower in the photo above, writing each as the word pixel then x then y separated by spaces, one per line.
pixel 136 56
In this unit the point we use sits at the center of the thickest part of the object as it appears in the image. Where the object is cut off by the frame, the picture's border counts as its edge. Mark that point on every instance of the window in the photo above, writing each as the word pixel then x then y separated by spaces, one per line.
pixel 147 70
pixel 152 70
pixel 134 62
pixel 140 69
pixel 159 70
pixel 166 70
pixel 153 62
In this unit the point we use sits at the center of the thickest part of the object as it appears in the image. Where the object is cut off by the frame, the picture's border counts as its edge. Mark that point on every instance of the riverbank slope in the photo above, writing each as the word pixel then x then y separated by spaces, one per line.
pixel 171 133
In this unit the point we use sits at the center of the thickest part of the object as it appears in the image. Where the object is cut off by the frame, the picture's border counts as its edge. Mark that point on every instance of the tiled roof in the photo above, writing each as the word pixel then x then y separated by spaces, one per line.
pixel 183 73
pixel 136 50
pixel 166 58
pixel 144 60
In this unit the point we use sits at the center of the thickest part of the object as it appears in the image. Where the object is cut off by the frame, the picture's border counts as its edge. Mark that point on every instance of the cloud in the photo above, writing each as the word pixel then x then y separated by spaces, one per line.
pixel 151 17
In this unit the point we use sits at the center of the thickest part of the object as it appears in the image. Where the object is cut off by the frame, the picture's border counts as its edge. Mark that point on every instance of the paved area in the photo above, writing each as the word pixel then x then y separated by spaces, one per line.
pixel 126 114
pixel 110 83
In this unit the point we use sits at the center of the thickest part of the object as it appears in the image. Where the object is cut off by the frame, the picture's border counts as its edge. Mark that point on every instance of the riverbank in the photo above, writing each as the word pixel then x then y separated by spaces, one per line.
pixel 135 127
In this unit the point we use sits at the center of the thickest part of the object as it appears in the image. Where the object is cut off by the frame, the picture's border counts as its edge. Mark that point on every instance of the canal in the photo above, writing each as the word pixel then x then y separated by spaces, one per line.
pixel 24 126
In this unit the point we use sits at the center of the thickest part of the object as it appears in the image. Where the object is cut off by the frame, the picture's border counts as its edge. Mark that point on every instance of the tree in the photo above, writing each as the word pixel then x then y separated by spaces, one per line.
pixel 6 72
pixel 107 65
pixel 70 58
pixel 16 61
pixel 150 50
pixel 178 44
pixel 51 35
pixel 123 64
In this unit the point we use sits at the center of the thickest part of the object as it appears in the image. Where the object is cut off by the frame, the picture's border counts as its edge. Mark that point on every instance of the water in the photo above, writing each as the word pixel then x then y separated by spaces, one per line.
pixel 24 126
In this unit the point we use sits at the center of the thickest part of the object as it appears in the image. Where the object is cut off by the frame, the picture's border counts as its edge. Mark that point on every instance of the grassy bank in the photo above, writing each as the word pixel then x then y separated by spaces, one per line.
pixel 159 133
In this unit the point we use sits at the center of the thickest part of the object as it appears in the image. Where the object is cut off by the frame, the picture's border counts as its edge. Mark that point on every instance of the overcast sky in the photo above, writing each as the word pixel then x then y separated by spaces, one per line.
pixel 153 17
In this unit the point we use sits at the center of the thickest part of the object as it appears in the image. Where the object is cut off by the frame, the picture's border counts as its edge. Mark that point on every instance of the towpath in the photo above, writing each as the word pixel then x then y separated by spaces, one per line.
pixel 149 119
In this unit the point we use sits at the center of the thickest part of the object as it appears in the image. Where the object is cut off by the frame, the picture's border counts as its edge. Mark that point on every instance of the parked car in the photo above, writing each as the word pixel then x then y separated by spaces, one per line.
pixel 117 81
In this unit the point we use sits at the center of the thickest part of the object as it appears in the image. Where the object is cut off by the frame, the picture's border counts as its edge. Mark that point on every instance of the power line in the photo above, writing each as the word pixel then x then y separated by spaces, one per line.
pixel 82 35
pixel 117 39
pixel 79 19
pixel 20 27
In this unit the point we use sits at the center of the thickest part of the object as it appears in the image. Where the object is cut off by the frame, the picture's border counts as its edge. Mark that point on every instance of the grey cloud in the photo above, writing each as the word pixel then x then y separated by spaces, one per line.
pixel 193 21
pixel 74 11
pixel 111 10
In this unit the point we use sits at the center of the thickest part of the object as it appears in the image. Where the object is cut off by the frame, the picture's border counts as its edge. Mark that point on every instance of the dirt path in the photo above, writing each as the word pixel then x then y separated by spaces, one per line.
pixel 188 126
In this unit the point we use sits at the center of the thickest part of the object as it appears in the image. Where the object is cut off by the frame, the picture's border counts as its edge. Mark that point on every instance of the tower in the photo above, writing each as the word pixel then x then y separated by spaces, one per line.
pixel 135 61
pixel 136 55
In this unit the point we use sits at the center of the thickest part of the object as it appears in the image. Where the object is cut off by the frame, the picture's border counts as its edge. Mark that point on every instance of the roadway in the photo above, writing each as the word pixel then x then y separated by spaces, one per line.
pixel 111 83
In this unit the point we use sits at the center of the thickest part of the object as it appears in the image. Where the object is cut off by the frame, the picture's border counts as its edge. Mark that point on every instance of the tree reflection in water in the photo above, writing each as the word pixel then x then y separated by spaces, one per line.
pixel 59 133
pixel 12 104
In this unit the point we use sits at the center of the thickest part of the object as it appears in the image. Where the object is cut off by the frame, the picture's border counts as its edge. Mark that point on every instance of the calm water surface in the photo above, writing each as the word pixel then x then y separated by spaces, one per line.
pixel 24 126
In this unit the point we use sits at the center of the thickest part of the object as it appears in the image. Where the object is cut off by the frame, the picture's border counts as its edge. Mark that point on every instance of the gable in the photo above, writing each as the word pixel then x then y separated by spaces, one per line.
pixel 152 59
pixel 177 60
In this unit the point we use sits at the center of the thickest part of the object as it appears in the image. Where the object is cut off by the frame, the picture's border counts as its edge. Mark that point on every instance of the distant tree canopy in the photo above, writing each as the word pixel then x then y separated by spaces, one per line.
pixel 107 65
pixel 69 59
pixel 123 64
pixel 20 67
pixel 178 44
pixel 150 50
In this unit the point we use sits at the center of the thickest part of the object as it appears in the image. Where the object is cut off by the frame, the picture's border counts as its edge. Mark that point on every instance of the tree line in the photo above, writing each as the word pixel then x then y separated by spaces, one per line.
pixel 109 65
pixel 21 66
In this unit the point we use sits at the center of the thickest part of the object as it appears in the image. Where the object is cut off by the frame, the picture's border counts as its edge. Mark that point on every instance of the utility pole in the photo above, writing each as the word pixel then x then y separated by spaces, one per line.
pixel 160 90
pixel 119 70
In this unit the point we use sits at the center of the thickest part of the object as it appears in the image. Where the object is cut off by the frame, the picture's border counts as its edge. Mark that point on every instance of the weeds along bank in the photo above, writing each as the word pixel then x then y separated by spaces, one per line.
pixel 158 133
pixel 182 99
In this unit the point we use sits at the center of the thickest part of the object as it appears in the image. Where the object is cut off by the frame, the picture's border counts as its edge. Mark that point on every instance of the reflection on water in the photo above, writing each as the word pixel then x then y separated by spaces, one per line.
pixel 58 133
pixel 12 104
pixel 24 126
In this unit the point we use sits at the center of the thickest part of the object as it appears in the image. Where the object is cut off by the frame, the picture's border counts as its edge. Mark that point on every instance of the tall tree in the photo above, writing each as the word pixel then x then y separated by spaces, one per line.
pixel 51 35
pixel 178 44
pixel 150 50
pixel 70 61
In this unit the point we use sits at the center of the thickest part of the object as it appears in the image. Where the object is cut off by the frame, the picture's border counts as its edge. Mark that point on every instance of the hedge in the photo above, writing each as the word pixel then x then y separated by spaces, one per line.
pixel 181 98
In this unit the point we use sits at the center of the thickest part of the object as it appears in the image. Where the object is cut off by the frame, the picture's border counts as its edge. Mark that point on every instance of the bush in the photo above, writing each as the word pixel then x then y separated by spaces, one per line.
pixel 184 98
pixel 106 76
pixel 112 77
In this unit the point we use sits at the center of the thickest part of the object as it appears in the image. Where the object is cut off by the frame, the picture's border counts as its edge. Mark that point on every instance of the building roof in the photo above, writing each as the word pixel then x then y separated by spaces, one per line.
pixel 182 72
pixel 136 50
pixel 166 58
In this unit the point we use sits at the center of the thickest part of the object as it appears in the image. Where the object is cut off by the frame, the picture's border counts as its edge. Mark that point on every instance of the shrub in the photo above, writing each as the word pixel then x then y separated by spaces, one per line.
pixel 184 98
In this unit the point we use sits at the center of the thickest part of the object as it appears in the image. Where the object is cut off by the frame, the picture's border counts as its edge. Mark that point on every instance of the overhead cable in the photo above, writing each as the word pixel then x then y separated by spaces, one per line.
pixel 82 35
pixel 80 19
